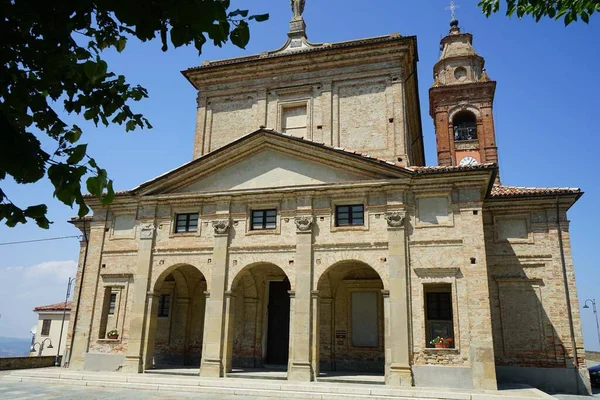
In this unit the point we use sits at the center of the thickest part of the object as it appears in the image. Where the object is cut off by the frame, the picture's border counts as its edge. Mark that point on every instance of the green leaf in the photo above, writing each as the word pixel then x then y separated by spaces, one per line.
pixel 77 154
pixel 260 17
pixel 36 211
pixel 74 134
pixel 243 13
pixel 240 36
pixel 110 193
pixel 121 43
pixel 94 185
pixel 90 67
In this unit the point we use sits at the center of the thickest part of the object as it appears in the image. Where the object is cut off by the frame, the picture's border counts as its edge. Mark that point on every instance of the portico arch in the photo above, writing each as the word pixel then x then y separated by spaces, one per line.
pixel 259 317
pixel 351 318
pixel 176 318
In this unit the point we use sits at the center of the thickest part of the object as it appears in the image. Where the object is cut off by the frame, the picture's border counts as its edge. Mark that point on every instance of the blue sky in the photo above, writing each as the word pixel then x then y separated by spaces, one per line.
pixel 546 107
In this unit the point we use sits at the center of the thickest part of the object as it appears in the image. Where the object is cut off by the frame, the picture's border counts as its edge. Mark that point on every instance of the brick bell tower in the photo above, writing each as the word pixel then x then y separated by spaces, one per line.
pixel 460 103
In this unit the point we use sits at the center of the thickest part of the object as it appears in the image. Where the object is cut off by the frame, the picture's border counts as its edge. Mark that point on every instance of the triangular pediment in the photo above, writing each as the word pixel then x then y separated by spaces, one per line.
pixel 267 159
pixel 272 168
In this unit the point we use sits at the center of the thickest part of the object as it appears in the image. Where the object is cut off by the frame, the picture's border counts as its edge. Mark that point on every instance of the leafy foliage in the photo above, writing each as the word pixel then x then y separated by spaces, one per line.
pixel 51 55
pixel 568 10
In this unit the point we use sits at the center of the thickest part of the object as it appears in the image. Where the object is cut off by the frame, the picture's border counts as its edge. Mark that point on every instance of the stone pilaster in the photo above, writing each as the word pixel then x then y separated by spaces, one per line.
pixel 229 327
pixel 397 323
pixel 213 342
pixel 87 277
pixel 481 344
pixel 152 313
pixel 300 366
pixel 137 318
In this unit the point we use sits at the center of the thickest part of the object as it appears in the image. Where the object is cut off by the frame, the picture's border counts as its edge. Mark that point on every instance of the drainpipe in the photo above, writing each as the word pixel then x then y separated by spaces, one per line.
pixel 567 294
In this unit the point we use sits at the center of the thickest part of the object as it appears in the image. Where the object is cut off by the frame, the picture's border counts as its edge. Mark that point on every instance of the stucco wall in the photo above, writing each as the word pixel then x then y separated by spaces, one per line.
pixel 54 334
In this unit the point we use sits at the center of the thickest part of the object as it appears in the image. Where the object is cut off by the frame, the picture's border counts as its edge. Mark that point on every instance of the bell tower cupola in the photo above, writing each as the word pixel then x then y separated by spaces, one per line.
pixel 461 103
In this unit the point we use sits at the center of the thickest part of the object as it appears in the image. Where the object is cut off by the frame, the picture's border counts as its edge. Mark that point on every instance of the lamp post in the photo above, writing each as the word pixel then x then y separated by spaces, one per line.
pixel 56 362
pixel 593 302
pixel 41 346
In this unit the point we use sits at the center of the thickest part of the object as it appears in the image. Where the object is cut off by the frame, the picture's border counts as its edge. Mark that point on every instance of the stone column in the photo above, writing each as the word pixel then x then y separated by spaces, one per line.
pixel 152 315
pixel 397 328
pixel 229 328
pixel 137 318
pixel 315 353
pixel 180 326
pixel 301 332
pixel 213 340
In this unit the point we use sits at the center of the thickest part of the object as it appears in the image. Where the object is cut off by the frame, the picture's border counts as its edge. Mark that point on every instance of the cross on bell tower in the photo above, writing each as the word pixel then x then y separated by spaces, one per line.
pixel 461 102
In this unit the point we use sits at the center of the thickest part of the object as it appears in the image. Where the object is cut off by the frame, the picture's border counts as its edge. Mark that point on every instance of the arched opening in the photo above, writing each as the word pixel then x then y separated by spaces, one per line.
pixel 177 320
pixel 260 318
pixel 351 322
pixel 465 126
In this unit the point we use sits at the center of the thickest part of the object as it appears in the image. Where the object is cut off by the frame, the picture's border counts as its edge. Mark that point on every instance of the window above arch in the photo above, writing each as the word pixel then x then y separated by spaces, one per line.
pixel 465 126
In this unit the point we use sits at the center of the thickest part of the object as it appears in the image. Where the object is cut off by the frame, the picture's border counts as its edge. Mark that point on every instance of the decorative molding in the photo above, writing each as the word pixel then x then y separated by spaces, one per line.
pixel 304 223
pixel 325 247
pixel 221 227
pixel 519 261
pixel 436 272
pixel 517 280
pixel 436 243
pixel 262 249
pixel 395 219
pixel 147 230
pixel 122 275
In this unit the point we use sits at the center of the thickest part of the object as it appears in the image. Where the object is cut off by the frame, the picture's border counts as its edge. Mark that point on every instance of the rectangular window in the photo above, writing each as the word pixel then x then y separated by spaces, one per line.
pixel 438 314
pixel 186 223
pixel 112 304
pixel 163 305
pixel 350 215
pixel 365 332
pixel 264 219
pixel 293 120
pixel 46 327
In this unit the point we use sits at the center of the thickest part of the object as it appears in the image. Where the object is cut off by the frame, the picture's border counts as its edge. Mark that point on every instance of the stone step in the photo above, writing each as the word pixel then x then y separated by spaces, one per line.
pixel 262 387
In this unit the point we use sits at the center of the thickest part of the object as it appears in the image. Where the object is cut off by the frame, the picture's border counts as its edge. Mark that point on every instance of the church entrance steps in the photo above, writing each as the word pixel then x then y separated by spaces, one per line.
pixel 261 387
pixel 351 377
pixel 258 373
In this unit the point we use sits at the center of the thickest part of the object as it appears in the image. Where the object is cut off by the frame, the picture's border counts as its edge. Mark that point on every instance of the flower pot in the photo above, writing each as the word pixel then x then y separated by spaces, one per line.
pixel 439 345
pixel 113 336
pixel 446 345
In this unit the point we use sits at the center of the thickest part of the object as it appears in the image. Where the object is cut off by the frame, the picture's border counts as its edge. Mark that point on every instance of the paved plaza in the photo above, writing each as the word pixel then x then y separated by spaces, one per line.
pixel 47 391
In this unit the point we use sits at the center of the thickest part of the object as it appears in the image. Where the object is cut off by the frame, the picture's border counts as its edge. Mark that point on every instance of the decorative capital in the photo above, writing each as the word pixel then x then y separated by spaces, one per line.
pixel 395 219
pixel 304 223
pixel 147 230
pixel 221 227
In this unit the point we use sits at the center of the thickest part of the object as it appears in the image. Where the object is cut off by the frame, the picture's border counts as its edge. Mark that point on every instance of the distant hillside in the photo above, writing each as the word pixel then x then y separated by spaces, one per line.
pixel 14 347
pixel 592 355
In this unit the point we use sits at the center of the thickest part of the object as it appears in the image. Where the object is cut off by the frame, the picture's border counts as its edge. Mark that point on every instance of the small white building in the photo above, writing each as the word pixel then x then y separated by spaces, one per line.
pixel 50 319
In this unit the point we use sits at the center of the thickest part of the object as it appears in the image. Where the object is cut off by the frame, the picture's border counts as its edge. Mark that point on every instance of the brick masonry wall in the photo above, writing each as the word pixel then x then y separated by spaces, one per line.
pixel 529 312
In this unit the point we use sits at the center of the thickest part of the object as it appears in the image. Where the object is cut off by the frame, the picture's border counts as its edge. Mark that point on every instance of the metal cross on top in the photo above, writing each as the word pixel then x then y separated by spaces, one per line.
pixel 452 9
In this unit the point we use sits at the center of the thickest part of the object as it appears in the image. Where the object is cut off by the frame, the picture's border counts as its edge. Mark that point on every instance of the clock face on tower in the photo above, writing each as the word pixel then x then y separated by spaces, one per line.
pixel 468 161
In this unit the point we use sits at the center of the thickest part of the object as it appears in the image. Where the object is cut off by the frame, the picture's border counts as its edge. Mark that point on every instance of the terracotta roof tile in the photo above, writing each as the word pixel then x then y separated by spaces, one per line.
pixel 515 191
pixel 55 307
pixel 450 168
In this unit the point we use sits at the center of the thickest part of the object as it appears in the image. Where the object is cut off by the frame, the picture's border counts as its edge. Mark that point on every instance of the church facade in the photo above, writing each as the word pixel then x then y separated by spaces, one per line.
pixel 307 233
